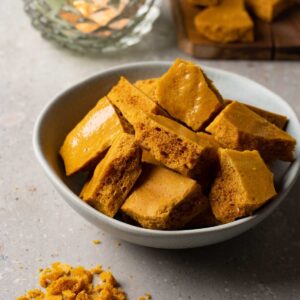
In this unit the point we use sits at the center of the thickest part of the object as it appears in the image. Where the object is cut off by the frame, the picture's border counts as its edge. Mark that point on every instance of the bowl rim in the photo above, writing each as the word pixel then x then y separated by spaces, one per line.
pixel 119 225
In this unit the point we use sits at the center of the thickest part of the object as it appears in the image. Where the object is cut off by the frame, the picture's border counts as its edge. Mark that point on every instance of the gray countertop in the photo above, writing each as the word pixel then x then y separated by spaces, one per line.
pixel 37 227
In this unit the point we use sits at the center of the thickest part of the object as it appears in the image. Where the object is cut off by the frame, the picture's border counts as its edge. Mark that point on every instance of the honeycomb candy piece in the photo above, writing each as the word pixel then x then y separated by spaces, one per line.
pixel 278 120
pixel 114 176
pixel 127 97
pixel 188 95
pixel 177 147
pixel 225 23
pixel 244 184
pixel 163 199
pixel 239 128
pixel 82 146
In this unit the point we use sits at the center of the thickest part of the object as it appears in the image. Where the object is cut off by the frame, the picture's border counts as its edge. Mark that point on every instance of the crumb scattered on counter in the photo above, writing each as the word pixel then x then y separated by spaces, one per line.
pixel 96 242
pixel 32 189
pixel 147 296
pixel 64 282
pixel 33 294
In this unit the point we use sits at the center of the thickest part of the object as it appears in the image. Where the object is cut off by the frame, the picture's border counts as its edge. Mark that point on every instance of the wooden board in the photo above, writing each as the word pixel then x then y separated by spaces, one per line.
pixel 286 35
pixel 279 40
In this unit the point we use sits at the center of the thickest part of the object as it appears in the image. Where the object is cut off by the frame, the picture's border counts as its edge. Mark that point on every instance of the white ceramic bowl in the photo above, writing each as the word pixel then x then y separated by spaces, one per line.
pixel 66 109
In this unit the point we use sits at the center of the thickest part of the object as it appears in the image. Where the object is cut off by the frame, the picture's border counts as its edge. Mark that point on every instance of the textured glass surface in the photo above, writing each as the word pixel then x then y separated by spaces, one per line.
pixel 93 25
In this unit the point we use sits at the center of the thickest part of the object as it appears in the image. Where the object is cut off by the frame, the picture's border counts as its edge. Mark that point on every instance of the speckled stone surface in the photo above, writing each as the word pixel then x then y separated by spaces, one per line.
pixel 37 227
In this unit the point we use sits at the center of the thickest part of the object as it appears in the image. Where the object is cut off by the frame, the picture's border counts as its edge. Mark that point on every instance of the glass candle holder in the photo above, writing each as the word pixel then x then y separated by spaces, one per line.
pixel 93 25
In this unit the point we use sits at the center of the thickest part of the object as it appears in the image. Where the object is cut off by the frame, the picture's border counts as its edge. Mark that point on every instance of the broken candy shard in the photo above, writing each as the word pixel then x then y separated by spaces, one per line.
pixel 239 128
pixel 176 147
pixel 278 120
pixel 126 97
pixel 163 199
pixel 91 137
pixel 244 184
pixel 225 23
pixel 188 95
pixel 114 176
